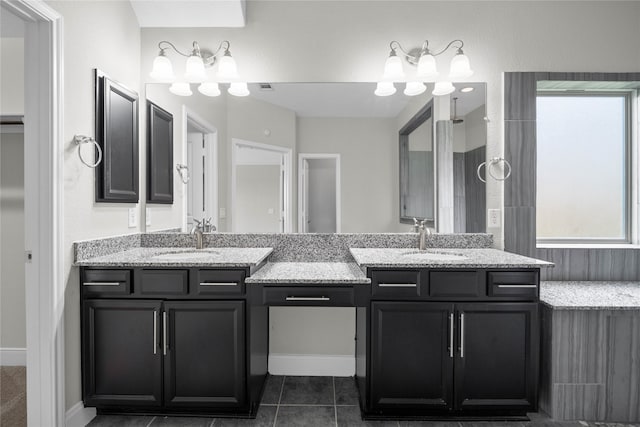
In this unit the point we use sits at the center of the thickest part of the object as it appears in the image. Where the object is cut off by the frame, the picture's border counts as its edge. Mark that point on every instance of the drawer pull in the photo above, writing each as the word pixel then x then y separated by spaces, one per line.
pixel 164 332
pixel 101 284
pixel 218 284
pixel 517 286
pixel 397 285
pixel 293 298
pixel 451 338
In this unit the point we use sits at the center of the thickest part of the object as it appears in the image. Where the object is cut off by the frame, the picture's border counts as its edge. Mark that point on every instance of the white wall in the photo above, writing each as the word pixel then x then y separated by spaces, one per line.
pixel 257 199
pixel 322 195
pixel 11 75
pixel 103 35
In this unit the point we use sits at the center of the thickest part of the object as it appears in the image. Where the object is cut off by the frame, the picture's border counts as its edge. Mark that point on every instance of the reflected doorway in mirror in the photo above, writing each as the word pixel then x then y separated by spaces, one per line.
pixel 319 207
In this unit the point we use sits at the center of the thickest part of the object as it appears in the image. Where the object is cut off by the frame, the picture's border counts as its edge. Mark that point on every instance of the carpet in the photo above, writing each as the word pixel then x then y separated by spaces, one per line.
pixel 13 396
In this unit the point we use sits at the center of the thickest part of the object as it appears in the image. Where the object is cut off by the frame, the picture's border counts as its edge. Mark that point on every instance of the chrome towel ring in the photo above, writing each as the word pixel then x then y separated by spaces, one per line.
pixel 81 139
pixel 183 171
pixel 494 161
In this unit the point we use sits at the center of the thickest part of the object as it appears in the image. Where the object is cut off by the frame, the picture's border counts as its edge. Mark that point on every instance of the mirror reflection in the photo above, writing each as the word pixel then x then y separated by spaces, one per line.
pixel 310 157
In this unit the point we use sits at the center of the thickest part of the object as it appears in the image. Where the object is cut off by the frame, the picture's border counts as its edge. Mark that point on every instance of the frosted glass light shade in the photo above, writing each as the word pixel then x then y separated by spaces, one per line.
pixel 414 88
pixel 209 89
pixel 460 68
pixel 227 69
pixel 427 69
pixel 194 69
pixel 239 89
pixel 393 71
pixel 443 88
pixel 162 69
pixel 385 89
pixel 180 89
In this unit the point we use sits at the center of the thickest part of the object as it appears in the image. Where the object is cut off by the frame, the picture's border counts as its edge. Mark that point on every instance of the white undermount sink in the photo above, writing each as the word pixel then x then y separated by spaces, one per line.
pixel 433 256
pixel 185 256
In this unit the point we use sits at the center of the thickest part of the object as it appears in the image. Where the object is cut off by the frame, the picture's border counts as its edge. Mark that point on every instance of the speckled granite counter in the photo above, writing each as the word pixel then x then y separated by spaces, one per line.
pixel 309 273
pixel 181 257
pixel 443 258
pixel 591 295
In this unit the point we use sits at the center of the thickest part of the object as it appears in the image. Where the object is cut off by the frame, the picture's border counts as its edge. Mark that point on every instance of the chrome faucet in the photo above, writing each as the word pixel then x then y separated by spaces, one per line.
pixel 421 228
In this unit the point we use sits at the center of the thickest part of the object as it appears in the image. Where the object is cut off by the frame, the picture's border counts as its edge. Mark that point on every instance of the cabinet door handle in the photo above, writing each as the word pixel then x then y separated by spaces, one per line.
pixel 517 286
pixel 451 337
pixel 155 331
pixel 165 318
pixel 101 284
pixel 461 335
pixel 293 298
pixel 218 284
pixel 397 285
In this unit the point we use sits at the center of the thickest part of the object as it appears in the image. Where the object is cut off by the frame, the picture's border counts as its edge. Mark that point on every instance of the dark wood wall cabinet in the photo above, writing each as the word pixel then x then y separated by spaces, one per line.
pixel 442 343
pixel 152 342
pixel 117 135
pixel 159 155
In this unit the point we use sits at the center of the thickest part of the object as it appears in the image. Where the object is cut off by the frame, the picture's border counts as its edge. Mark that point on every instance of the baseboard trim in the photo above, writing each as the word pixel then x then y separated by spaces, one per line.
pixel 79 416
pixel 13 356
pixel 312 365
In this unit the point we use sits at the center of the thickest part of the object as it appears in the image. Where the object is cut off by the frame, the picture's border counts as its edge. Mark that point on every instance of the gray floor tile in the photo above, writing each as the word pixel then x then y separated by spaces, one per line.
pixel 349 416
pixel 307 391
pixel 120 421
pixel 429 424
pixel 346 391
pixel 181 421
pixel 272 389
pixel 265 417
pixel 306 416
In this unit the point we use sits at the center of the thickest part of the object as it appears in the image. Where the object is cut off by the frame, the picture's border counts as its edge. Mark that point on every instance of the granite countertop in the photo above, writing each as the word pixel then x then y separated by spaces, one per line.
pixel 309 273
pixel 588 295
pixel 443 258
pixel 180 257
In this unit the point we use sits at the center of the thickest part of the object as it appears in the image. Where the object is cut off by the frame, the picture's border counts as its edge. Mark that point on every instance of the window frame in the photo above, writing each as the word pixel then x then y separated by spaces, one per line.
pixel 631 173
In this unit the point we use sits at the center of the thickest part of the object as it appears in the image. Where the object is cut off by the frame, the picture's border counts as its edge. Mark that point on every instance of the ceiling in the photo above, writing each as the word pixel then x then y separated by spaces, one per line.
pixel 352 99
pixel 190 13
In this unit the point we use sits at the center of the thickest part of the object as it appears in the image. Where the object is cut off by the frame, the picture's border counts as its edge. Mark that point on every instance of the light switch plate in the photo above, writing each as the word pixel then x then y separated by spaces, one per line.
pixel 133 218
pixel 147 216
pixel 493 218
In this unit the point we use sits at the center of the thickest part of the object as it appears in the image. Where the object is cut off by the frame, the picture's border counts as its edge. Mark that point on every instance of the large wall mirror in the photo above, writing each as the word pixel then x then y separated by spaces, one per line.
pixel 345 138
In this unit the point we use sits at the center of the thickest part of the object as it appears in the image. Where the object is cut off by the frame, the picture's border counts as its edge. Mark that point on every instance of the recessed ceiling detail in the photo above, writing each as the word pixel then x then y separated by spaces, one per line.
pixel 190 13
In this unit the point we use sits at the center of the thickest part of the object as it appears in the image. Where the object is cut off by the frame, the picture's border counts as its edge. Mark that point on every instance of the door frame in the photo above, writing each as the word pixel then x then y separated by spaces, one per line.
pixel 44 198
pixel 211 146
pixel 317 156
pixel 285 174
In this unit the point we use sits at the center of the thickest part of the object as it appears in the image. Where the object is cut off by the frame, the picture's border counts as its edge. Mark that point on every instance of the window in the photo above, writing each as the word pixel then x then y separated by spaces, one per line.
pixel 583 167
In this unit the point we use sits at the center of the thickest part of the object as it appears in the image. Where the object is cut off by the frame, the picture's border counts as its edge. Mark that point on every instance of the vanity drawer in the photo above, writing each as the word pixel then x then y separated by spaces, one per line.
pixel 456 284
pixel 106 282
pixel 519 285
pixel 308 296
pixel 219 282
pixel 164 282
pixel 395 283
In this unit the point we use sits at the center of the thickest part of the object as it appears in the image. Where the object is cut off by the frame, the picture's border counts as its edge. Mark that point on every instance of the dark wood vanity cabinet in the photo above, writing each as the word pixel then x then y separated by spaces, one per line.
pixel 473 355
pixel 176 352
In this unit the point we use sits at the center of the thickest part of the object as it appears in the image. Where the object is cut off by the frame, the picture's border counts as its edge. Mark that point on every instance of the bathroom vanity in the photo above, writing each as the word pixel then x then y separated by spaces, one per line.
pixel 448 332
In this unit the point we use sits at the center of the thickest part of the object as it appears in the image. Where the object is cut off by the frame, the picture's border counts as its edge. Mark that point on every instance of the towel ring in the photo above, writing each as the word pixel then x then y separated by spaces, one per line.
pixel 492 162
pixel 81 139
pixel 183 171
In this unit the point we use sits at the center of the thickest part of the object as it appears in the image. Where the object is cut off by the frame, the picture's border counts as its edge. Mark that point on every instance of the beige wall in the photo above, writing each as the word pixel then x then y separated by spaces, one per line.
pixel 11 75
pixel 257 194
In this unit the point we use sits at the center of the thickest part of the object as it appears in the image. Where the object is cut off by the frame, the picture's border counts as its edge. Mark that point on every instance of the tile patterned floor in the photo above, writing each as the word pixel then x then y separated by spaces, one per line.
pixel 315 402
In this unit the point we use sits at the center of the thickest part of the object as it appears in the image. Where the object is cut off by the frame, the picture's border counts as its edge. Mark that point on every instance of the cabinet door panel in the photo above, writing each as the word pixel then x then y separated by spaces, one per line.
pixel 497 361
pixel 411 367
pixel 205 361
pixel 119 364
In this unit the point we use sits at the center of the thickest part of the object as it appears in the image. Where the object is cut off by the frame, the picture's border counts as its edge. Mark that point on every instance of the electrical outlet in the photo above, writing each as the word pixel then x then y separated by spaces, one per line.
pixel 223 213
pixel 493 218
pixel 147 215
pixel 133 218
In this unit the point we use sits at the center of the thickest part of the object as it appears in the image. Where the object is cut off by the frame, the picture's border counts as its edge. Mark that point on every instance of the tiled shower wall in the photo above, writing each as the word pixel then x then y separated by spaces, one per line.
pixel 520 188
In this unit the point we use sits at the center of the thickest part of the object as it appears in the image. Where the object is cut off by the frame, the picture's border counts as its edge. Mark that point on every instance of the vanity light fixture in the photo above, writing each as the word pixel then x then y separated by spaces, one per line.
pixel 426 70
pixel 195 70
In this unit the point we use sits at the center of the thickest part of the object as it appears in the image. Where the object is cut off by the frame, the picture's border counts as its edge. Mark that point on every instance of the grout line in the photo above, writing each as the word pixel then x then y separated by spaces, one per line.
pixel 335 407
pixel 275 418
pixel 151 422
pixel 212 422
pixel 319 405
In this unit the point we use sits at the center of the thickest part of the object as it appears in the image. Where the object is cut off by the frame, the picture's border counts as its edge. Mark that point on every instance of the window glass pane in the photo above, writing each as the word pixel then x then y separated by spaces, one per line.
pixel 581 167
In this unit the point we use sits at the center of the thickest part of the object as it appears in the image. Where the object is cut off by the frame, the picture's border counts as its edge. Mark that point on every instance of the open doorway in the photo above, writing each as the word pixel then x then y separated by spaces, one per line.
pixel 201 201
pixel 319 193
pixel 260 188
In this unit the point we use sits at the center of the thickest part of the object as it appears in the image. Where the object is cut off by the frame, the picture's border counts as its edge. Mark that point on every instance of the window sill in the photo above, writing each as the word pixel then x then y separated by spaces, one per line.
pixel 587 246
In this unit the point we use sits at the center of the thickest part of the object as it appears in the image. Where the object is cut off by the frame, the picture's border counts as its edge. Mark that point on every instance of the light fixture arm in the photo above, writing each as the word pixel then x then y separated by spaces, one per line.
pixel 413 56
pixel 208 59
